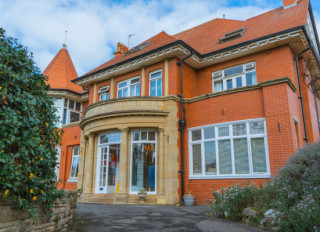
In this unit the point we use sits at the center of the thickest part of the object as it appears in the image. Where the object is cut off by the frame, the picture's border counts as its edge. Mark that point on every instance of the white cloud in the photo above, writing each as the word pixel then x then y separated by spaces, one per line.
pixel 95 27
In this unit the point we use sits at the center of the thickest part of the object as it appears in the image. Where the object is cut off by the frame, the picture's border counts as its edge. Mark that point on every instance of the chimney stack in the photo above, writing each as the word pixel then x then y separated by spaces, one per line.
pixel 289 3
pixel 121 48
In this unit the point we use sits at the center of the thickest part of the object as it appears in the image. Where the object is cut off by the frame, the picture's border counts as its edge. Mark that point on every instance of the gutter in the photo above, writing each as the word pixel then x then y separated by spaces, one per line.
pixel 182 125
pixel 301 96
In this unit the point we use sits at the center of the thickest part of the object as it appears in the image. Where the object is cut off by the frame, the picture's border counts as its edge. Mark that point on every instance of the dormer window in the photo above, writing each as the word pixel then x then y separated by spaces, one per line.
pixel 232 35
pixel 234 77
pixel 104 93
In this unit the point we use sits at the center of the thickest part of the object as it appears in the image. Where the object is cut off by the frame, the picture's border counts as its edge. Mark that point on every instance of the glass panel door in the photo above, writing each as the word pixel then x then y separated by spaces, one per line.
pixel 113 168
pixel 101 177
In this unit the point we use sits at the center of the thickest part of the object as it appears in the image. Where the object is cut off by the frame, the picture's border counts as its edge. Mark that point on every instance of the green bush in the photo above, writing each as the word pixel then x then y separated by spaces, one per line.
pixel 28 138
pixel 294 192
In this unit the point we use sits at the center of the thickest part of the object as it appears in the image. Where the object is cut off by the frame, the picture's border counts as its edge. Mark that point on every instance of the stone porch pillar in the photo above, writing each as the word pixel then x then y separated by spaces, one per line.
pixel 161 163
pixel 88 171
pixel 121 196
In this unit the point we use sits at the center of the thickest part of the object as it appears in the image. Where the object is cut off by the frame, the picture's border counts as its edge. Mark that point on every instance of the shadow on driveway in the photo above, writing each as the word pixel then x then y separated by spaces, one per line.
pixel 100 218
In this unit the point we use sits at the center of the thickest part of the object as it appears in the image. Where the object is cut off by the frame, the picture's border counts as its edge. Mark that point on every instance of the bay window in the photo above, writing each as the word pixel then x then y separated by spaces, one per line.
pixel 143 161
pixel 234 77
pixel 129 88
pixel 229 150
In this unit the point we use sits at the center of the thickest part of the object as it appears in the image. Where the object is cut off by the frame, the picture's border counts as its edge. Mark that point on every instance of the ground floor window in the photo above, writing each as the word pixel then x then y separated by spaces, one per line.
pixel 234 149
pixel 108 163
pixel 143 160
pixel 75 163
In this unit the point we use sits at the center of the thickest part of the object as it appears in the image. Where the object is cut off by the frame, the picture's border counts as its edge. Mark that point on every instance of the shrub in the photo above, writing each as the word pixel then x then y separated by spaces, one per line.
pixel 28 138
pixel 294 192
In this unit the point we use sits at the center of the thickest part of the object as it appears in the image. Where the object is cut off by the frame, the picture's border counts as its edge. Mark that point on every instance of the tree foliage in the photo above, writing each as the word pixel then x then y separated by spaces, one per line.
pixel 28 137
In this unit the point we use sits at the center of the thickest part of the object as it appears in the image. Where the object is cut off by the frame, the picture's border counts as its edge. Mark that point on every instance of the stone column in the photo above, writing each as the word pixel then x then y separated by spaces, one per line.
pixel 161 163
pixel 166 77
pixel 83 145
pixel 143 82
pixel 121 196
pixel 88 172
pixel 94 92
pixel 112 88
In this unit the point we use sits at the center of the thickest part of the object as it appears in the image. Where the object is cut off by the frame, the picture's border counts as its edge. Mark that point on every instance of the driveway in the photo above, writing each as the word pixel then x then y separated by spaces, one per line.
pixel 98 217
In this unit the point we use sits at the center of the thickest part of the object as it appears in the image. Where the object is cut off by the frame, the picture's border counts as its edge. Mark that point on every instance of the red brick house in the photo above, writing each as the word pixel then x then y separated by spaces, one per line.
pixel 218 104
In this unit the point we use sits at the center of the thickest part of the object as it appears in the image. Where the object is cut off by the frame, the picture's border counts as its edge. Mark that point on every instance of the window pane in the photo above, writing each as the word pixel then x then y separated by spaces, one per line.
pixel 239 81
pixel 153 88
pixel 256 127
pixel 143 167
pixel 75 162
pixel 233 71
pixel 114 137
pixel 155 75
pixel 143 135
pixel 65 102
pixel 78 106
pixel 136 80
pixel 104 138
pixel 120 94
pixel 122 84
pixel 136 135
pixel 133 91
pixel 223 131
pixel 138 90
pixel 103 167
pixel 218 86
pixel 196 135
pixel 159 87
pixel 239 129
pixel 71 104
pixel 251 78
pixel 74 116
pixel 229 84
pixel 196 155
pixel 225 163
pixel 151 135
pixel 210 157
pixel 57 102
pixel 258 155
pixel 125 92
pixel 58 115
pixel 65 116
pixel 241 159
pixel 209 133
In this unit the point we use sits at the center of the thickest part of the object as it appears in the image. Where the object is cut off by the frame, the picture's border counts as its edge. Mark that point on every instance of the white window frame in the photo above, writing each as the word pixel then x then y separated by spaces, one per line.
pixel 156 158
pixel 70 110
pixel 104 91
pixel 155 79
pixel 73 178
pixel 104 145
pixel 220 76
pixel 128 87
pixel 230 137
pixel 57 168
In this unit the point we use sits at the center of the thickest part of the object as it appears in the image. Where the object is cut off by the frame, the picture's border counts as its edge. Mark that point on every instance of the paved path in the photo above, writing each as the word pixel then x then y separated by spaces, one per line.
pixel 100 218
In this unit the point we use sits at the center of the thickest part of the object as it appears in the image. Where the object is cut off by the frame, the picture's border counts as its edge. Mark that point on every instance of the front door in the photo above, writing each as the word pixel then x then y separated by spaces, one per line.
pixel 108 169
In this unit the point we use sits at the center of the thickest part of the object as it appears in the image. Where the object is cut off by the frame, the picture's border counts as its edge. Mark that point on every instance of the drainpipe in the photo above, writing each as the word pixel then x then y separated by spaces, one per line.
pixel 301 97
pixel 182 124
pixel 316 105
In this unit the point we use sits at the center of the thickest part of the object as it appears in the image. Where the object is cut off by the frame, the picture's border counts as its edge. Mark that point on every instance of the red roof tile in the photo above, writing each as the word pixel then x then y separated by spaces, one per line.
pixel 61 71
pixel 205 37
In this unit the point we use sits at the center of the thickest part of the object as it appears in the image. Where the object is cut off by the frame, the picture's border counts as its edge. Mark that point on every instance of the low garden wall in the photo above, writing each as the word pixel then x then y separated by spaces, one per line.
pixel 12 219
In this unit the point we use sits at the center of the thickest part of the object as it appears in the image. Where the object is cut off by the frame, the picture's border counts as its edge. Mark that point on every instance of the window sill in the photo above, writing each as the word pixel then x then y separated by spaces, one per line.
pixel 250 176
pixel 72 180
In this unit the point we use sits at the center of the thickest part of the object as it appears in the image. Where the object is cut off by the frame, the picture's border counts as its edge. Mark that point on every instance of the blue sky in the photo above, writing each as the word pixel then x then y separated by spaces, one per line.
pixel 94 27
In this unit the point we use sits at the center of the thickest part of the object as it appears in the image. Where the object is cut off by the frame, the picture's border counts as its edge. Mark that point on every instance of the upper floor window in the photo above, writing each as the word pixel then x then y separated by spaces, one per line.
pixel 235 77
pixel 235 149
pixel 104 93
pixel 156 83
pixel 58 104
pixel 129 88
pixel 71 112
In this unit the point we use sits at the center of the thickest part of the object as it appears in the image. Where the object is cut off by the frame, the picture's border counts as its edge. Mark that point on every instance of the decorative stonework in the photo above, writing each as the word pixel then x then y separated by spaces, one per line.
pixel 13 219
pixel 67 94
